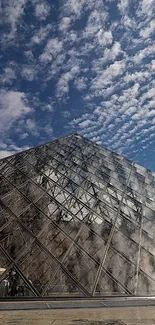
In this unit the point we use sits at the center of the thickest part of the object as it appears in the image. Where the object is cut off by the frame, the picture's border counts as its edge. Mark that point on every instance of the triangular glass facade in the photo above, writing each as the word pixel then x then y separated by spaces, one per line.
pixel 76 219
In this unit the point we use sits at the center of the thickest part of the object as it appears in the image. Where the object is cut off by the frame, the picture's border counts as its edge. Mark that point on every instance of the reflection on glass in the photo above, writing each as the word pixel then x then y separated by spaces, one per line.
pixel 76 219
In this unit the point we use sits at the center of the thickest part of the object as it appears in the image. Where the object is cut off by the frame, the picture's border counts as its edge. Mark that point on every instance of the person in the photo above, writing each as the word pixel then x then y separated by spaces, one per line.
pixel 4 288
pixel 13 283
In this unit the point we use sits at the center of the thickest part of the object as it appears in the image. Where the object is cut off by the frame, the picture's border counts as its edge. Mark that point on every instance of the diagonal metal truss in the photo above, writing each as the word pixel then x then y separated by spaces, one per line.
pixel 76 218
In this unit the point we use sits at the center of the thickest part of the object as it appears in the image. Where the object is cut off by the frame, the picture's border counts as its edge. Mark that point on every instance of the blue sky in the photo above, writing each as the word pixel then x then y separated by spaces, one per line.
pixel 79 66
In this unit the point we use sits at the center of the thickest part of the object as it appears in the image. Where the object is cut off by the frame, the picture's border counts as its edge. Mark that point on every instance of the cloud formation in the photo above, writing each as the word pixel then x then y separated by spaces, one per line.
pixel 85 66
pixel 42 10
pixel 12 107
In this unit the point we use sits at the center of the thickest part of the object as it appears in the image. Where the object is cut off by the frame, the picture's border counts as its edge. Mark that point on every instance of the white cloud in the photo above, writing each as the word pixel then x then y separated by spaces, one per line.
pixel 5 153
pixel 64 24
pixel 146 52
pixel 28 73
pixel 12 149
pixel 52 49
pixel 81 83
pixel 85 124
pixel 109 54
pixel 41 34
pixel 105 77
pixel 131 110
pixel 77 8
pixel 129 93
pixel 31 126
pixel 12 107
pixel 112 113
pixel 148 94
pixel 63 82
pixel 100 55
pixel 24 135
pixel 12 13
pixel 128 23
pixel 104 37
pixel 146 32
pixel 48 130
pixel 113 52
pixel 137 76
pixel 56 65
pixel 8 76
pixel 74 7
pixel 29 55
pixel 122 113
pixel 47 107
pixel 66 114
pixel 95 27
pixel 145 8
pixel 153 65
pixel 42 10
pixel 123 5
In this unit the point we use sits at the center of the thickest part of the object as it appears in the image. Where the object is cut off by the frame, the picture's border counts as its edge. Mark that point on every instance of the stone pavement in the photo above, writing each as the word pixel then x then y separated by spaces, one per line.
pixel 100 316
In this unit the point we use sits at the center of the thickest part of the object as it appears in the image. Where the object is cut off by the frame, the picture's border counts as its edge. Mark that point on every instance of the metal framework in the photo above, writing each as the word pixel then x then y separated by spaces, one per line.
pixel 76 219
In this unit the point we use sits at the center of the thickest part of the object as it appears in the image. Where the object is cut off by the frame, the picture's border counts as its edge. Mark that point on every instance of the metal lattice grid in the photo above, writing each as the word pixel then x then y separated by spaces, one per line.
pixel 76 219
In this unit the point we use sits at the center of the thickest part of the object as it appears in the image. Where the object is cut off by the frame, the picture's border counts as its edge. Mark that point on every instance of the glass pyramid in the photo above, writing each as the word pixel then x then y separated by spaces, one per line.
pixel 76 219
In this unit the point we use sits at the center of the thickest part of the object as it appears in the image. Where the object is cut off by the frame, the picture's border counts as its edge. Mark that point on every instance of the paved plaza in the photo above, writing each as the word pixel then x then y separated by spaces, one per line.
pixel 95 316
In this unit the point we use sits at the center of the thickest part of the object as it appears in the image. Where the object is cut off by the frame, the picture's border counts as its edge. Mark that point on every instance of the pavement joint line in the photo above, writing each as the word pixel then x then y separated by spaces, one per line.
pixel 48 305
pixel 103 304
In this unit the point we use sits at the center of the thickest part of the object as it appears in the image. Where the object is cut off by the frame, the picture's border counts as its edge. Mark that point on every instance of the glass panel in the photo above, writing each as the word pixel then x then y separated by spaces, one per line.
pixel 74 203
pixel 125 246
pixel 5 186
pixel 16 202
pixel 107 285
pixel 121 269
pixel 147 263
pixel 145 284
